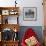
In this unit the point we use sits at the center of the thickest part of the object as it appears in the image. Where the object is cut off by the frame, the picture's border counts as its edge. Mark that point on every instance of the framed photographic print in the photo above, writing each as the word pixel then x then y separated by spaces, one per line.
pixel 29 13
pixel 5 12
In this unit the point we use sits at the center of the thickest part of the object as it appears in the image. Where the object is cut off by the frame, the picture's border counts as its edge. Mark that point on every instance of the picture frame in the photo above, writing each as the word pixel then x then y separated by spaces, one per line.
pixel 5 12
pixel 30 13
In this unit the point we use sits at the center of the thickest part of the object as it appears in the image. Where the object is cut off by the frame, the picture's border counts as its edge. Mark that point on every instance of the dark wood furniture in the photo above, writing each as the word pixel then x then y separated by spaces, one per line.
pixel 4 13
pixel 10 43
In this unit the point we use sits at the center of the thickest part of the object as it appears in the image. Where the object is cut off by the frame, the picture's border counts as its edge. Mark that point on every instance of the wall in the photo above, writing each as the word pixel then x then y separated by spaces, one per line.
pixel 38 5
pixel 27 3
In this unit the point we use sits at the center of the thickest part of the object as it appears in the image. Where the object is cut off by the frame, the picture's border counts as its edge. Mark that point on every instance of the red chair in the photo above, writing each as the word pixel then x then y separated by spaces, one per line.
pixel 29 33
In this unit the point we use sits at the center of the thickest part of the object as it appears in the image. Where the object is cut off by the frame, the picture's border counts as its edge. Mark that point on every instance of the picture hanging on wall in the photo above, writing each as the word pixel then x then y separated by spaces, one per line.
pixel 29 13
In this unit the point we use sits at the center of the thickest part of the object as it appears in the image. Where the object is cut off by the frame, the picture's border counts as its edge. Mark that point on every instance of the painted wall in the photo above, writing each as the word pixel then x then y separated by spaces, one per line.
pixel 26 3
pixel 38 5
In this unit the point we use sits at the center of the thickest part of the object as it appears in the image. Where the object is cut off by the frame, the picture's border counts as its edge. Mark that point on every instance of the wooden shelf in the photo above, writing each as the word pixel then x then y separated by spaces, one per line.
pixel 9 10
pixel 11 26
pixel 4 13
pixel 9 43
pixel 5 8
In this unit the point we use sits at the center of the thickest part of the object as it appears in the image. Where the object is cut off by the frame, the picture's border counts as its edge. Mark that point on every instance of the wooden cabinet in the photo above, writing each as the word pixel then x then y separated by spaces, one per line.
pixel 10 43
pixel 9 23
